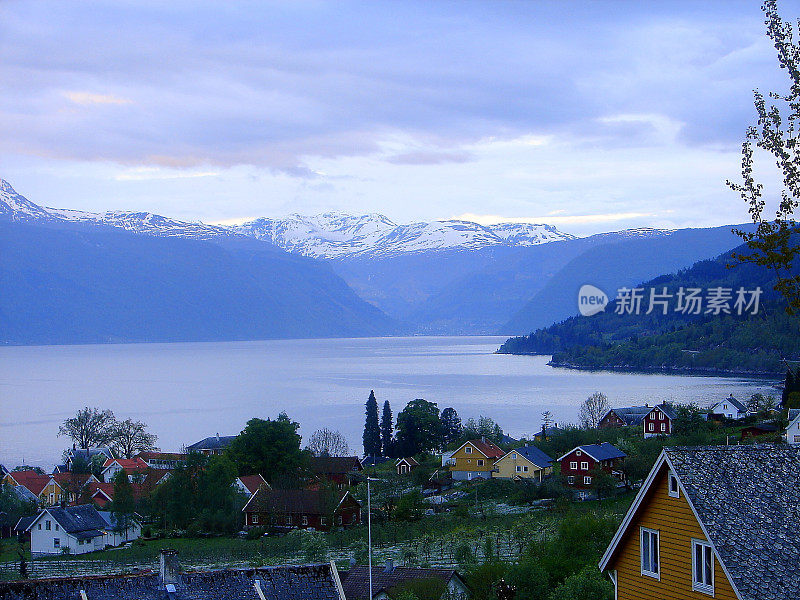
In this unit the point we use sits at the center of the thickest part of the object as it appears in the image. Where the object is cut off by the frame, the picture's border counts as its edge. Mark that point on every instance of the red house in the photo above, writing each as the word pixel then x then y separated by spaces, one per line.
pixel 624 416
pixel 338 470
pixel 301 509
pixel 577 464
pixel 660 420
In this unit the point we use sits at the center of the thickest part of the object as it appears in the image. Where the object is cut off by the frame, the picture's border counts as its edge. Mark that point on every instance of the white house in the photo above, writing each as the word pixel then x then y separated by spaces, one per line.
pixel 730 408
pixel 116 536
pixel 792 435
pixel 75 530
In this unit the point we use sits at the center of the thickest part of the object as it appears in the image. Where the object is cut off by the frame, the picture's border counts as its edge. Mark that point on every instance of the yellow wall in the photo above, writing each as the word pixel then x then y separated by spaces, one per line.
pixel 507 468
pixel 54 489
pixel 677 526
pixel 469 462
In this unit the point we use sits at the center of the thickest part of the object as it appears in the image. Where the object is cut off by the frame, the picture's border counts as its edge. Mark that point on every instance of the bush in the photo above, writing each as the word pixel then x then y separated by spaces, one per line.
pixel 256 532
pixel 587 584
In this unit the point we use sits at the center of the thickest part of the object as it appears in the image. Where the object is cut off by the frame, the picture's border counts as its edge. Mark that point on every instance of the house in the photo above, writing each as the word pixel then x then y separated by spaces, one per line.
pixel 447 458
pixel 116 535
pixel 474 460
pixel 545 433
pixel 31 480
pixel 293 582
pixel 578 464
pixel 659 421
pixel 24 494
pixel 80 458
pixel 338 470
pixel 162 460
pixel 757 429
pixel 303 509
pixel 730 408
pixel 373 461
pixel 212 445
pixel 712 521
pixel 389 580
pixel 136 468
pixel 21 528
pixel 627 416
pixel 3 472
pixel 101 494
pixel 65 488
pixel 527 462
pixel 249 484
pixel 72 530
pixel 404 466
pixel 792 434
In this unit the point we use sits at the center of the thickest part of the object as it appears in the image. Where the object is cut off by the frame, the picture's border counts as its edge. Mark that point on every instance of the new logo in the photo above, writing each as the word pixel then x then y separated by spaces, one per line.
pixel 591 300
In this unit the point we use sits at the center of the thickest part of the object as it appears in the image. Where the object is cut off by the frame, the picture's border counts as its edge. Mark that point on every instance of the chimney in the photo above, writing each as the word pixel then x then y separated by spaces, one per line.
pixel 389 568
pixel 169 569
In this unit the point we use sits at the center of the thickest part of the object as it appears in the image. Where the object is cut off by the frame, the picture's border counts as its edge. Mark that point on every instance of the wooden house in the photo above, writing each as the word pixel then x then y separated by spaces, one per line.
pixel 211 446
pixel 162 460
pixel 792 433
pixel 301 509
pixel 474 460
pixel 712 521
pixel 527 462
pixel 404 466
pixel 33 481
pixel 625 416
pixel 729 408
pixel 135 468
pixel 249 484
pixel 579 464
pixel 338 470
pixel 659 421
pixel 65 488
pixel 81 458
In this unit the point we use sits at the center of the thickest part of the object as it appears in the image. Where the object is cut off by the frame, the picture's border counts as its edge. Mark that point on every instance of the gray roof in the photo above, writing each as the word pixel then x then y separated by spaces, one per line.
pixel 667 409
pixel 24 493
pixel 740 406
pixel 356 583
pixel 215 442
pixel 632 415
pixel 748 499
pixel 536 456
pixel 309 582
pixel 82 521
pixel 793 412
pixel 24 523
pixel 604 451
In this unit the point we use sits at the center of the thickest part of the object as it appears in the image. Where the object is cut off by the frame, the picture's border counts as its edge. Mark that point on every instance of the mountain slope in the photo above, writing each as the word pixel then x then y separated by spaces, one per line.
pixel 617 264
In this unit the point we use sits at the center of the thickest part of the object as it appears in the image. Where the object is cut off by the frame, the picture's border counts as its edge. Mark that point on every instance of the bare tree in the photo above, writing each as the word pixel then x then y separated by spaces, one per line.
pixel 326 442
pixel 90 427
pixel 131 437
pixel 593 409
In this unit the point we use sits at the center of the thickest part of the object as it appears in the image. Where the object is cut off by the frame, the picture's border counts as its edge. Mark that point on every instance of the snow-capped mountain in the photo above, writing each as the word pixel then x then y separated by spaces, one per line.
pixel 339 235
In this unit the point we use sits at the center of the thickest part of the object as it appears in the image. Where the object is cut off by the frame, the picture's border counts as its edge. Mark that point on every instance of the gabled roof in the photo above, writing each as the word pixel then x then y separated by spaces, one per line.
pixel 373 461
pixel 70 479
pixel 252 482
pixel 33 481
pixel 356 583
pixel 161 456
pixel 306 582
pixel 532 454
pixel 739 406
pixel 80 521
pixel 631 415
pixel 667 409
pixel 604 451
pixel 334 465
pixel 130 465
pixel 214 442
pixel 307 502
pixel 24 523
pixel 485 447
pixel 88 453
pixel 24 493
pixel 746 499
pixel 409 460
pixel 794 416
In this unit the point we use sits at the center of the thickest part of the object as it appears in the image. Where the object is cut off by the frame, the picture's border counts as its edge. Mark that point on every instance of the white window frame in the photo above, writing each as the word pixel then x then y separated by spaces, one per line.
pixel 468 450
pixel 573 465
pixel 696 585
pixel 645 533
pixel 584 465
pixel 524 468
pixel 670 479
pixel 56 542
pixel 480 462
pixel 304 520
pixel 514 455
pixel 254 519
pixel 570 479
pixel 663 427
pixel 587 480
pixel 519 469
pixel 651 427
pixel 578 453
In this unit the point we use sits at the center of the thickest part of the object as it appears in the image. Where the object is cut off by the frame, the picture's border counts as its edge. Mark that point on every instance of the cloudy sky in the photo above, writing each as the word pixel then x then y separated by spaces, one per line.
pixel 593 116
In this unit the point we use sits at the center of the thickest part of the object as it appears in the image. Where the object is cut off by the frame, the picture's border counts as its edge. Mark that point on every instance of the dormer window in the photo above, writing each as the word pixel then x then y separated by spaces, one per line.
pixel 674 490
pixel 578 453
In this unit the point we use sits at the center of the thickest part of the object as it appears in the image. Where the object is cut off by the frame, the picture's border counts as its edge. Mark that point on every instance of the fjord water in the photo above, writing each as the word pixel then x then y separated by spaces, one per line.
pixel 186 392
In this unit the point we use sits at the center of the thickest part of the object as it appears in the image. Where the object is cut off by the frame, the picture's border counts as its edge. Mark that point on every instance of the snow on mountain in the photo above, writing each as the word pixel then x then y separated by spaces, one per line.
pixel 339 235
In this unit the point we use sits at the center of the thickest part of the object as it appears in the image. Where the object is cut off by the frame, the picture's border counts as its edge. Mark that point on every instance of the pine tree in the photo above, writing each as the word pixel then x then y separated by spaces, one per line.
pixel 372 431
pixel 387 429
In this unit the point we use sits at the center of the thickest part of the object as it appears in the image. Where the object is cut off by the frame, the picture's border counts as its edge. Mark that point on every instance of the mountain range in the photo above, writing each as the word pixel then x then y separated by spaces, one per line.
pixel 331 274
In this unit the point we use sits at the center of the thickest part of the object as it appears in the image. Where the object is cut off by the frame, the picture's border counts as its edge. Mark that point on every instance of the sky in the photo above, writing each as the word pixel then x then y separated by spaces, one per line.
pixel 592 116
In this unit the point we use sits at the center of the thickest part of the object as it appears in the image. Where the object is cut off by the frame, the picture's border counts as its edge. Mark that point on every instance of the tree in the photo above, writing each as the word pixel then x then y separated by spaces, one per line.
pixel 418 427
pixel 774 243
pixel 593 409
pixel 131 437
pixel 269 447
pixel 603 483
pixel 372 431
pixel 587 584
pixel 90 427
pixel 123 507
pixel 326 442
pixel 387 430
pixel 451 426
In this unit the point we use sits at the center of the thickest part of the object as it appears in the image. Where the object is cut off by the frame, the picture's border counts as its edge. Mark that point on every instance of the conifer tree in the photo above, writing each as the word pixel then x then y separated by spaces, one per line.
pixel 372 431
pixel 387 430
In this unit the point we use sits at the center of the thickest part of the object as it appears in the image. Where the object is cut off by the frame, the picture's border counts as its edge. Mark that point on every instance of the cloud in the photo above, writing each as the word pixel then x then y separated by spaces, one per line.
pixel 87 98
pixel 429 158
pixel 551 219
pixel 153 173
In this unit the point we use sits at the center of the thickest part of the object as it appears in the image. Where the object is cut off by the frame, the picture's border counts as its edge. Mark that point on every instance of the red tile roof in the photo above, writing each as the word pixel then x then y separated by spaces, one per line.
pixel 131 465
pixel 33 481
pixel 253 482
pixel 487 448
pixel 69 479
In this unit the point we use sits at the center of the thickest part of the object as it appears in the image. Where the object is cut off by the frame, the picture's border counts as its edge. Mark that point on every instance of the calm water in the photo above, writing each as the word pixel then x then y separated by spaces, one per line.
pixel 186 392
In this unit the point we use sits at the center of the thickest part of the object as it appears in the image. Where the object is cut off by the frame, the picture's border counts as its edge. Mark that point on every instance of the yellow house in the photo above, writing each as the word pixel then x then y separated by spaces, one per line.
pixel 527 462
pixel 474 460
pixel 65 487
pixel 715 521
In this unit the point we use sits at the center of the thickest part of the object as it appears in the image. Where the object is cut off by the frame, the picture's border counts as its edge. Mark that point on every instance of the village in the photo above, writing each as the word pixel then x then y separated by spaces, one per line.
pixel 463 514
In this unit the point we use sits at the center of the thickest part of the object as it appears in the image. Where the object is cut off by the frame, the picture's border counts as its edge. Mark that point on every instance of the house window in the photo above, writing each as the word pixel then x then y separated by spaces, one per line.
pixel 519 469
pixel 40 526
pixel 649 552
pixel 468 450
pixel 289 520
pixel 514 455
pixel 47 525
pixel 674 490
pixel 578 453
pixel 339 519
pixel 525 468
pixel 305 520
pixel 573 464
pixel 725 406
pixel 52 498
pixel 571 479
pixel 650 426
pixel 797 439
pixel 663 427
pixel 480 462
pixel 587 480
pixel 56 543
pixel 584 465
pixel 702 567
pixel 322 520
pixel 254 519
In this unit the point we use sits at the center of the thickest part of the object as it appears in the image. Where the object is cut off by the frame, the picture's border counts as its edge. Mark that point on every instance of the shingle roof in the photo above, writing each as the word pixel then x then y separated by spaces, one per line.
pixel 410 460
pixel 487 448
pixel 604 451
pixel 252 482
pixel 356 583
pixel 24 523
pixel 632 415
pixel 307 582
pixel 330 465
pixel 77 520
pixel 307 502
pixel 32 480
pixel 740 406
pixel 24 494
pixel 748 499
pixel 214 442
pixel 536 456
pixel 667 409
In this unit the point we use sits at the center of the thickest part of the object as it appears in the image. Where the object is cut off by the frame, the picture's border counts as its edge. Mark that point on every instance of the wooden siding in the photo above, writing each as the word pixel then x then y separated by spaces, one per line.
pixel 469 462
pixel 674 520
pixel 507 468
